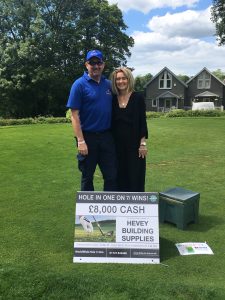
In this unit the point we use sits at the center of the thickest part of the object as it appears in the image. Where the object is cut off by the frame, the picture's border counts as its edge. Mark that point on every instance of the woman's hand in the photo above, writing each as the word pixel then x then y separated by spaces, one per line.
pixel 142 151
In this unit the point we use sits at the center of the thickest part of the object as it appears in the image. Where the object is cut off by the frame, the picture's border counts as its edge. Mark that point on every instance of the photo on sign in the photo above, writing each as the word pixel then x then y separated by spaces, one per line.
pixel 95 229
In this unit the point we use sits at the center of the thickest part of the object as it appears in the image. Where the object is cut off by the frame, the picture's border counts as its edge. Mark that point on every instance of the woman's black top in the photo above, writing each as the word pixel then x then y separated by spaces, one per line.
pixel 129 124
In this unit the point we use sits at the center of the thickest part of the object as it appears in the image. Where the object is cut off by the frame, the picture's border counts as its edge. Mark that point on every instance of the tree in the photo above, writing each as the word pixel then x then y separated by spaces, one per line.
pixel 43 48
pixel 140 81
pixel 183 78
pixel 218 17
pixel 219 74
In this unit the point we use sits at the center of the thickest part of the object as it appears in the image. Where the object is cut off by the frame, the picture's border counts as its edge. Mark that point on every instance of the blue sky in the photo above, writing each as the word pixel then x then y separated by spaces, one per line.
pixel 174 33
pixel 137 20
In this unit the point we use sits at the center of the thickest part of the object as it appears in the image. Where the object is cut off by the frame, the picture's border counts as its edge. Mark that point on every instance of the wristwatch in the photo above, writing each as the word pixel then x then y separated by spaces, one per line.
pixel 143 144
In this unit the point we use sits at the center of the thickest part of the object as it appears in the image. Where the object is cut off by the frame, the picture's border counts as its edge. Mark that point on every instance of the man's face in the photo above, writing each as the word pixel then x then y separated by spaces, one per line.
pixel 95 67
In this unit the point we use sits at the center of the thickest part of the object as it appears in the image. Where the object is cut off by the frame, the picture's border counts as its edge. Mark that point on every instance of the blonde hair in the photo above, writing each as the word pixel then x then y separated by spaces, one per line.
pixel 128 74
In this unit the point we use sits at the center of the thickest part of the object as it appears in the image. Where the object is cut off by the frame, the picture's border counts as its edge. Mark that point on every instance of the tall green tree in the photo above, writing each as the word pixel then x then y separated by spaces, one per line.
pixel 43 44
pixel 219 74
pixel 218 17
pixel 183 78
pixel 140 81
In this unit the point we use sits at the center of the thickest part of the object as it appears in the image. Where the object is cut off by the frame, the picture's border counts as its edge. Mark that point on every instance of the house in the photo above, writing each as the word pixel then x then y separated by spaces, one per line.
pixel 166 91
pixel 205 87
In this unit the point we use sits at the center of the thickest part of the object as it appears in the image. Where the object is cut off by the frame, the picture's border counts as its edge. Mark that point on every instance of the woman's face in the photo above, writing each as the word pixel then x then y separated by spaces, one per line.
pixel 121 81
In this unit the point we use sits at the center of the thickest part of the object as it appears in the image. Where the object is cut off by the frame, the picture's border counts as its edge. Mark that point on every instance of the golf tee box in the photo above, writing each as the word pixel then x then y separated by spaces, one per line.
pixel 116 227
pixel 179 206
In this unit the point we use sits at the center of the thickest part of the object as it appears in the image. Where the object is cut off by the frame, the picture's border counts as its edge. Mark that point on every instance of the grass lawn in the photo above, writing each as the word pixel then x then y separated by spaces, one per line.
pixel 39 180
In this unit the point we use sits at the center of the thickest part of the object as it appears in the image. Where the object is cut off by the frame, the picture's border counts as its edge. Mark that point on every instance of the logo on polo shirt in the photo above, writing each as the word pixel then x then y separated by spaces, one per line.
pixel 108 92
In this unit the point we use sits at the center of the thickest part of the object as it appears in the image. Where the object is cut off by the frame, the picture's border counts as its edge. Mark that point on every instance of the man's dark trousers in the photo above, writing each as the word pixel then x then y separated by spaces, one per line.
pixel 101 152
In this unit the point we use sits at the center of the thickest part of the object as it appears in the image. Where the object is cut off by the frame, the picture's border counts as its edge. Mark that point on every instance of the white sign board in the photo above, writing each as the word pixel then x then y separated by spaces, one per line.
pixel 113 227
pixel 203 106
pixel 193 248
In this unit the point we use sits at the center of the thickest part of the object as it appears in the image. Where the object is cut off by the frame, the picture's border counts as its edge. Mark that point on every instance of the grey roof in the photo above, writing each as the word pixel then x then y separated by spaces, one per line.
pixel 205 69
pixel 165 68
pixel 207 94
pixel 168 94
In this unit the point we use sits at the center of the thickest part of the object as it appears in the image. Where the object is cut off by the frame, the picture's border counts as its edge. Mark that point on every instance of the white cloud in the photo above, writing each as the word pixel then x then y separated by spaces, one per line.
pixel 147 5
pixel 190 23
pixel 175 41
pixel 153 41
pixel 153 51
pixel 178 41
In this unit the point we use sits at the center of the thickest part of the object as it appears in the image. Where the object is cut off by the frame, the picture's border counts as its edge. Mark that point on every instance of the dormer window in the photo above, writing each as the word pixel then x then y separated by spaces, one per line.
pixel 165 80
pixel 204 80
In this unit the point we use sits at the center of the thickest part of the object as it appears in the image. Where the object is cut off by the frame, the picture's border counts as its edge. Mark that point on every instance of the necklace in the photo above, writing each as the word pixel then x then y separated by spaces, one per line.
pixel 122 104
pixel 123 100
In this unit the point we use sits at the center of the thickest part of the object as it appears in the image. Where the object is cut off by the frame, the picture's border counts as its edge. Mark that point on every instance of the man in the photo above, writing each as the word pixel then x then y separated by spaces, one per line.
pixel 90 101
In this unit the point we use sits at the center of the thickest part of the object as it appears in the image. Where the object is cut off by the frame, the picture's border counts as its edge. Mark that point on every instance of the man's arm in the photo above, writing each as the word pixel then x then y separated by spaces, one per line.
pixel 82 146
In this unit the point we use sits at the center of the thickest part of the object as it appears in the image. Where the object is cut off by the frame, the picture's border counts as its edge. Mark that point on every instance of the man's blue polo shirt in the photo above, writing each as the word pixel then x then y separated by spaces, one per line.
pixel 94 102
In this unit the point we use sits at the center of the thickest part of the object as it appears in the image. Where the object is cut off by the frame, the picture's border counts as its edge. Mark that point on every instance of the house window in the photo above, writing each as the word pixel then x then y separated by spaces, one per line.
pixel 204 80
pixel 154 103
pixel 165 80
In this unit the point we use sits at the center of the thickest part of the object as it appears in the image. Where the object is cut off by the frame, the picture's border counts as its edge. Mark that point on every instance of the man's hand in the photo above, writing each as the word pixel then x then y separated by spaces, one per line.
pixel 82 148
pixel 87 225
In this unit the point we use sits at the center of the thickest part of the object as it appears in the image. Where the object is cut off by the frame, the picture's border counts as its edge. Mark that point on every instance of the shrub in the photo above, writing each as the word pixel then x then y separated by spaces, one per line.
pixel 150 115
pixel 174 113
pixel 9 122
pixel 56 120
pixel 153 114
pixel 205 113
pixel 194 113
pixel 68 114
pixel 38 120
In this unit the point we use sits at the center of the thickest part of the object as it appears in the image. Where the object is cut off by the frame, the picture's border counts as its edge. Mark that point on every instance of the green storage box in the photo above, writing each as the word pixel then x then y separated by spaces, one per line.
pixel 179 206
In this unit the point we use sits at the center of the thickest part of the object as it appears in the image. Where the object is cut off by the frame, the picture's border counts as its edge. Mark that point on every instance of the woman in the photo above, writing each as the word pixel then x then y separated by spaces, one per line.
pixel 130 131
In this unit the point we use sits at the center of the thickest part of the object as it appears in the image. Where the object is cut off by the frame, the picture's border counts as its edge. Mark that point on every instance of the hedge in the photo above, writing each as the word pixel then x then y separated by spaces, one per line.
pixel 176 113
pixel 38 120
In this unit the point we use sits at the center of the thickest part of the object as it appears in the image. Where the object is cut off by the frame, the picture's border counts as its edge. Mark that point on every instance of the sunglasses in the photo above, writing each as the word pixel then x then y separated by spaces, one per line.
pixel 93 63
